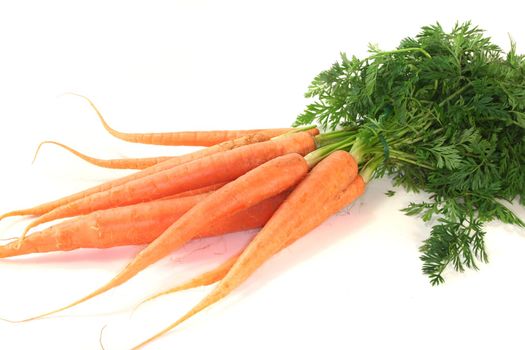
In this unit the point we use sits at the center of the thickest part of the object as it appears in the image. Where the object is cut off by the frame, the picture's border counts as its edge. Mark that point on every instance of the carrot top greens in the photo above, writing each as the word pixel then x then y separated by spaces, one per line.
pixel 444 113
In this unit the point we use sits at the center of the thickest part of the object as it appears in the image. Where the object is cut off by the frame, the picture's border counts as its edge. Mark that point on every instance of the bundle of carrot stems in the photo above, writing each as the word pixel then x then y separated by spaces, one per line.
pixel 242 179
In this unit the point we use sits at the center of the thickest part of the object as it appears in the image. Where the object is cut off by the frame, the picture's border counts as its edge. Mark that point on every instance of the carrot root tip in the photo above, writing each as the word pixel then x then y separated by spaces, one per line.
pixel 12 213
pixel 38 150
pixel 11 321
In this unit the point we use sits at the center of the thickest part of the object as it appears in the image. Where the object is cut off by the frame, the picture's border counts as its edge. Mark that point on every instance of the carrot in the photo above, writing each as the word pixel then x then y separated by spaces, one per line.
pixel 124 163
pixel 184 138
pixel 200 190
pixel 128 225
pixel 216 274
pixel 304 209
pixel 120 163
pixel 175 161
pixel 134 225
pixel 265 181
pixel 221 167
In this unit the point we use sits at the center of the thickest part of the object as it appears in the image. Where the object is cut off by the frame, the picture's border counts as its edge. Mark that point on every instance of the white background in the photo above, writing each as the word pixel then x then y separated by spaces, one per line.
pixel 353 283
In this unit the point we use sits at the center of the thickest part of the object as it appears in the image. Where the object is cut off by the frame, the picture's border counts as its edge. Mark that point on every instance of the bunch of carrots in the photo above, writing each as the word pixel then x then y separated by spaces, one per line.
pixel 243 179
pixel 443 113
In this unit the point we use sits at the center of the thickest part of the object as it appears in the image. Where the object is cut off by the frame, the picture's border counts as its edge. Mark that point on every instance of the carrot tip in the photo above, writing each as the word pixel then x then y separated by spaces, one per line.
pixel 158 295
pixel 11 321
pixel 92 104
pixel 13 213
pixel 38 150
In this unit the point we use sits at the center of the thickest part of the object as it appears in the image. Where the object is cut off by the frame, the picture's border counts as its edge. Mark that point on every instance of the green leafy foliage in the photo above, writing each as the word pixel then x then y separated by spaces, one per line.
pixel 445 114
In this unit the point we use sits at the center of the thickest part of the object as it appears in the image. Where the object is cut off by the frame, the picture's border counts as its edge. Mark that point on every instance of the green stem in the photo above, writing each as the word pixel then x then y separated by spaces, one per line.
pixel 368 170
pixel 405 158
pixel 295 130
pixel 304 128
pixel 408 49
pixel 358 150
pixel 332 137
pixel 450 97
pixel 319 154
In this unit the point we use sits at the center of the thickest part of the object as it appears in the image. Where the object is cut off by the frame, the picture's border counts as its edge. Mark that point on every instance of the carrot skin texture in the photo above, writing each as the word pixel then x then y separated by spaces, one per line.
pixel 216 274
pixel 200 138
pixel 277 175
pixel 129 225
pixel 263 182
pixel 173 162
pixel 303 210
pixel 217 168
pixel 135 225
pixel 196 191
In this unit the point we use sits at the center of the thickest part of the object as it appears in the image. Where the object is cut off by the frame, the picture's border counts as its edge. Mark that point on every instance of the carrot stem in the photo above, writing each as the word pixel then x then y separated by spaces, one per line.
pixel 333 136
pixel 312 129
pixel 319 154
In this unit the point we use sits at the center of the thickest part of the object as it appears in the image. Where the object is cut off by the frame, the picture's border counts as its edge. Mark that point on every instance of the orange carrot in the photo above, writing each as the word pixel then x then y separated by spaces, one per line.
pixel 120 163
pixel 124 163
pixel 217 168
pixel 175 161
pixel 184 138
pixel 263 182
pixel 135 224
pixel 303 210
pixel 217 273
pixel 201 190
